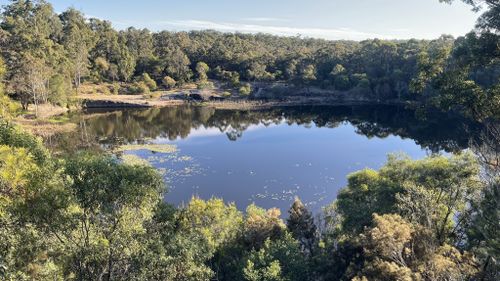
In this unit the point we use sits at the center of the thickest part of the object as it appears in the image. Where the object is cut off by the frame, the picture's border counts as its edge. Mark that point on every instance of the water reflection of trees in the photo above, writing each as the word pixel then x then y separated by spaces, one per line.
pixel 487 146
pixel 431 130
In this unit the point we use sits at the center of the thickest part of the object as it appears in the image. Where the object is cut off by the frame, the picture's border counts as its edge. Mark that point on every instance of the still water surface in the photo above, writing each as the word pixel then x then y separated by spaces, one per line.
pixel 268 157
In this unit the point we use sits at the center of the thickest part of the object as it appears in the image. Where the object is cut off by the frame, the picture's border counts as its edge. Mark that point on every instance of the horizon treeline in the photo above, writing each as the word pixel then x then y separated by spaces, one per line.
pixel 49 55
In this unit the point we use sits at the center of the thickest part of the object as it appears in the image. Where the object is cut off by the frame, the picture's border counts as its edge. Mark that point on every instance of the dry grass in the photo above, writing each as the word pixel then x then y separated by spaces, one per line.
pixel 50 121
pixel 45 128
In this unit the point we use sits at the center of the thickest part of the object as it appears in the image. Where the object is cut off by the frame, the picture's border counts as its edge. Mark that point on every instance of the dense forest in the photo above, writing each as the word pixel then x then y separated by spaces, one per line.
pixel 48 56
pixel 90 216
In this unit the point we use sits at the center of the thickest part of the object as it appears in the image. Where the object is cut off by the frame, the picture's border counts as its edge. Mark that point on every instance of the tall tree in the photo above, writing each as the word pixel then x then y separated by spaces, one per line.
pixel 301 224
pixel 31 49
pixel 177 65
pixel 78 39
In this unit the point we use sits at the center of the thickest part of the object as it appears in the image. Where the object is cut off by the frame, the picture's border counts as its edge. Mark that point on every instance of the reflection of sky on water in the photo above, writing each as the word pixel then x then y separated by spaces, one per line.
pixel 269 165
pixel 207 132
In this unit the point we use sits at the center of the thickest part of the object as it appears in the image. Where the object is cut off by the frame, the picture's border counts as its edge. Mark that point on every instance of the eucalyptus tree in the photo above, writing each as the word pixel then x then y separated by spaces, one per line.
pixel 78 40
pixel 8 107
pixel 31 48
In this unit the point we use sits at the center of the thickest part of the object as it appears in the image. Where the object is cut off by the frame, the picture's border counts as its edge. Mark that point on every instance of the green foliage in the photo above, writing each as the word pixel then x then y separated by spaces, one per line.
pixel 8 108
pixel 246 89
pixel 260 225
pixel 205 85
pixel 102 66
pixel 139 88
pixel 337 70
pixel 367 192
pixel 115 88
pixel 308 74
pixel 60 90
pixel 202 70
pixel 217 222
pixel 257 71
pixel 168 82
pixel 482 234
pixel 277 260
pixel 177 65
pixel 67 45
pixel 78 39
pixel 431 64
pixel 342 82
pixel 233 77
pixel 396 186
pixel 15 137
pixel 301 224
pixel 398 250
pixel 93 217
pixel 361 80
pixel 150 83
pixel 89 215
pixel 112 202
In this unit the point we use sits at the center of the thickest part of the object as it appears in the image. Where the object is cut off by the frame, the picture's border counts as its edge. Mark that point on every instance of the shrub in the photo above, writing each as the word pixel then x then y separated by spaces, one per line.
pixel 168 82
pixel 103 90
pixel 146 79
pixel 205 85
pixel 114 88
pixel 246 89
pixel 138 88
pixel 342 83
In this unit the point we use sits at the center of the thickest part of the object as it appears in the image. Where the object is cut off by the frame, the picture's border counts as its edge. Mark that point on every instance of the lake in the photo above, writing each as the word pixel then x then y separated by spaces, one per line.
pixel 268 157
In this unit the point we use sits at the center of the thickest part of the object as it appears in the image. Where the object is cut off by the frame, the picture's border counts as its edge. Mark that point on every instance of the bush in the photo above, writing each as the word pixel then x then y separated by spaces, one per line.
pixel 361 80
pixel 168 82
pixel 226 94
pixel 205 85
pixel 103 90
pixel 8 108
pixel 342 83
pixel 246 89
pixel 138 88
pixel 146 79
pixel 114 88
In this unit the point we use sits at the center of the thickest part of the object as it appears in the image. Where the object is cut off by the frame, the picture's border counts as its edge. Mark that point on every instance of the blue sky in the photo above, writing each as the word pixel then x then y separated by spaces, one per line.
pixel 330 19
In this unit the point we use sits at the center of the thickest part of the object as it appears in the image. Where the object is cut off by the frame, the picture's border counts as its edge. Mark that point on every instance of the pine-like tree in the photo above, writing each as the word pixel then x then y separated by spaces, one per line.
pixel 301 224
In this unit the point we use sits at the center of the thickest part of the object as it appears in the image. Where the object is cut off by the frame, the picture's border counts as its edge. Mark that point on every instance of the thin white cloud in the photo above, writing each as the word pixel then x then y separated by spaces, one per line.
pixel 264 19
pixel 400 30
pixel 325 33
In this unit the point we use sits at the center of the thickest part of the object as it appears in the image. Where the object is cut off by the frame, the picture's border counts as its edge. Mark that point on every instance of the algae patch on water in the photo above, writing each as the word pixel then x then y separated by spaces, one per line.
pixel 131 159
pixel 158 148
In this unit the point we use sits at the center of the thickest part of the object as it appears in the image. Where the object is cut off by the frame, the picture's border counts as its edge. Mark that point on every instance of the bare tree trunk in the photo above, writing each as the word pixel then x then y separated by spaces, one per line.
pixel 35 102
